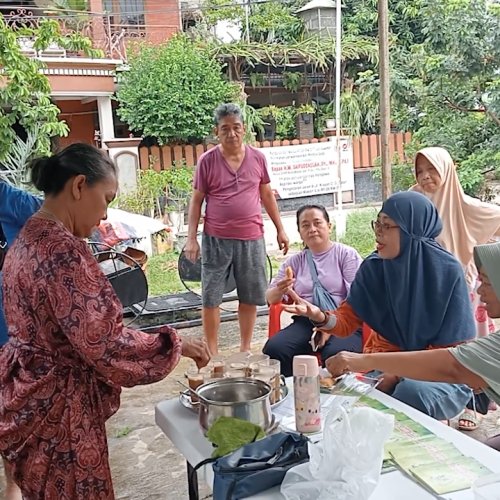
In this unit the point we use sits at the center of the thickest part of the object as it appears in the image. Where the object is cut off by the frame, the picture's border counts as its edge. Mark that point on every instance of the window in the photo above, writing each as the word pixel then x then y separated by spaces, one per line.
pixel 125 12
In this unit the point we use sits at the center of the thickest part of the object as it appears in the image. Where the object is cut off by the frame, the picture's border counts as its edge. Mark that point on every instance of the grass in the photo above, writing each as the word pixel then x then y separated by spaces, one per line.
pixel 163 278
pixel 124 431
pixel 162 273
pixel 359 234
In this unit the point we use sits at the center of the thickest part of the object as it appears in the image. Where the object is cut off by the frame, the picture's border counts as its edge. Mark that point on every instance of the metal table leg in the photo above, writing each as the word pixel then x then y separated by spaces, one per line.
pixel 192 482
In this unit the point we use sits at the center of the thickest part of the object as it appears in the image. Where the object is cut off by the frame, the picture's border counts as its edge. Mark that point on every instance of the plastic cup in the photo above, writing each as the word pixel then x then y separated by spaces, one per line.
pixel 487 487
pixel 236 370
pixel 253 363
pixel 218 366
pixel 206 373
pixel 269 371
pixel 238 357
pixel 195 379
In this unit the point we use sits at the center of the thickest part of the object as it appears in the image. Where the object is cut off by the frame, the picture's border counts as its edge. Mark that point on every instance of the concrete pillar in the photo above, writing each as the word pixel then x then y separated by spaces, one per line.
pixel 106 125
pixel 100 27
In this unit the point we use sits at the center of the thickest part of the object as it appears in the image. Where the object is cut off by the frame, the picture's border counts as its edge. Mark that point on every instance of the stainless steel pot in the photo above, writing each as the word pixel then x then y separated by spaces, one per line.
pixel 244 398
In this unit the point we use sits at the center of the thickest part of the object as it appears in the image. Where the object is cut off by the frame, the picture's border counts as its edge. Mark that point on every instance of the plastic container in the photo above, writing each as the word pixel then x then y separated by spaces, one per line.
pixel 487 487
pixel 306 393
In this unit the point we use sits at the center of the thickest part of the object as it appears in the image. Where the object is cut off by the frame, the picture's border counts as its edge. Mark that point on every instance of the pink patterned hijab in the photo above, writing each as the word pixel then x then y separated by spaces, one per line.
pixel 467 221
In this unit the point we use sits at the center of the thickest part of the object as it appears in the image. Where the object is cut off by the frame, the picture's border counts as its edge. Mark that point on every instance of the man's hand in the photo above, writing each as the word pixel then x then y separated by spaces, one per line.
pixel 192 250
pixel 283 241
pixel 304 308
pixel 344 362
pixel 197 350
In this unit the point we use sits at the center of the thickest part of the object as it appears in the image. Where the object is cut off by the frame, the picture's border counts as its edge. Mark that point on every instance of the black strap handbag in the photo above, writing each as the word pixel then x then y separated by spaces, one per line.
pixel 257 466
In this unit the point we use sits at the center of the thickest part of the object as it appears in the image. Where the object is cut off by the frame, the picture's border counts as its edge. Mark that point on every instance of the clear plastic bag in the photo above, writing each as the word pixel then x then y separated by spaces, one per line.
pixel 346 464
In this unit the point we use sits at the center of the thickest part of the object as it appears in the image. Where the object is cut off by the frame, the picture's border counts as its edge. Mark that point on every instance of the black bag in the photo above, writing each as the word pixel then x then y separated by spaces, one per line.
pixel 257 466
pixel 321 297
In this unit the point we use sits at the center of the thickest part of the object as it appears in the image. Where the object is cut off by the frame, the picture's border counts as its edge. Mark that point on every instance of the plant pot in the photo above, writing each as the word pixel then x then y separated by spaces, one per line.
pixel 330 123
pixel 177 220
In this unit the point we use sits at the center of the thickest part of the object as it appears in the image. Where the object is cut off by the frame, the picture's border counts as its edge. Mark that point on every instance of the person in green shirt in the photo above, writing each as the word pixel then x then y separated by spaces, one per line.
pixel 476 363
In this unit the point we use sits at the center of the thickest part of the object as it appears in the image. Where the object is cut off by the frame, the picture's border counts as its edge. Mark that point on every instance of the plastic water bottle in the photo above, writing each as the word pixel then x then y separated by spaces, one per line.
pixel 307 395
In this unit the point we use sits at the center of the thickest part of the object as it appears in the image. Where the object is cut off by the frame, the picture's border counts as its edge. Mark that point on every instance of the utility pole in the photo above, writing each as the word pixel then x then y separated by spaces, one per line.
pixel 385 104
pixel 340 217
pixel 247 19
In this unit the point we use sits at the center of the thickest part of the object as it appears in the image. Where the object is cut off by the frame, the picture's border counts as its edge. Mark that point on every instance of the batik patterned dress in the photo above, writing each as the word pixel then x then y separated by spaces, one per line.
pixel 62 370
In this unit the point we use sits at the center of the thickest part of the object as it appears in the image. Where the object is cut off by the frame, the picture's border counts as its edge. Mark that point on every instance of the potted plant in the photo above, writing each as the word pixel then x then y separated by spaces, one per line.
pixel 257 79
pixel 305 112
pixel 270 116
pixel 254 123
pixel 145 199
pixel 292 81
pixel 179 178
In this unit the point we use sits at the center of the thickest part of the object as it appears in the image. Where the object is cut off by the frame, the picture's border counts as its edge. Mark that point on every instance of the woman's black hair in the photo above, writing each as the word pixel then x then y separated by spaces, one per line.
pixel 50 174
pixel 303 208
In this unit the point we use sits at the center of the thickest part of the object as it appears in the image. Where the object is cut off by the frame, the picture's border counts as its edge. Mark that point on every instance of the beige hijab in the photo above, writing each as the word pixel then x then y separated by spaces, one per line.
pixel 467 221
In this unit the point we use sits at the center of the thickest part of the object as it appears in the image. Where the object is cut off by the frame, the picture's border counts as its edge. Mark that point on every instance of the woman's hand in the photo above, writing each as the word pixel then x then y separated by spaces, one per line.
pixel 285 285
pixel 345 362
pixel 304 308
pixel 197 350
pixel 387 382
pixel 320 339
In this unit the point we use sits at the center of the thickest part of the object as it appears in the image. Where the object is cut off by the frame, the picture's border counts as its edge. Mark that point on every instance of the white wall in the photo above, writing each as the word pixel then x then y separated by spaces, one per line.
pixel 127 161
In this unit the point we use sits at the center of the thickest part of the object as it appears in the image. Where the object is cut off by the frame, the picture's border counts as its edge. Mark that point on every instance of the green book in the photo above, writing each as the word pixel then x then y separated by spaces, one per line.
pixel 423 452
pixel 447 477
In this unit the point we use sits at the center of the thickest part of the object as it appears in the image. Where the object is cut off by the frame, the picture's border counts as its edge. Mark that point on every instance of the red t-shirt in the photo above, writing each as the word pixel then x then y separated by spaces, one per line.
pixel 233 208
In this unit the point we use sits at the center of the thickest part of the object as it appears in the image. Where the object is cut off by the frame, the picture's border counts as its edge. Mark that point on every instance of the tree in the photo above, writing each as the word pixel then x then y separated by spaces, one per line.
pixel 221 10
pixel 170 91
pixel 274 22
pixel 445 85
pixel 454 73
pixel 25 93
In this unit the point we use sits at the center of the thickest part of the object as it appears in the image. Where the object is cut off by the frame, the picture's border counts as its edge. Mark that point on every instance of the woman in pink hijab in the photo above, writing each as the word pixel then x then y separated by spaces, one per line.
pixel 467 222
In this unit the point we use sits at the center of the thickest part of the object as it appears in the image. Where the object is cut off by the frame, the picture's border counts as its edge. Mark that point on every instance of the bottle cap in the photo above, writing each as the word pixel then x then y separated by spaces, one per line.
pixel 305 366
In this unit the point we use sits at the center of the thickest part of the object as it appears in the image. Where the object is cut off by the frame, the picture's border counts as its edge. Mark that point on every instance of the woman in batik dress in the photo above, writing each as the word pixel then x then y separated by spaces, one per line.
pixel 68 353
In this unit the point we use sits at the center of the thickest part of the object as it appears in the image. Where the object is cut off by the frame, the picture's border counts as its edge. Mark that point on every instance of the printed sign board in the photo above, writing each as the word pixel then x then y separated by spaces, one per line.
pixel 309 169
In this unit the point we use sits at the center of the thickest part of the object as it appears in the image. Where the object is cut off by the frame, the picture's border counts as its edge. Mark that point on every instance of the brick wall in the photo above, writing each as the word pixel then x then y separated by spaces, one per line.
pixel 162 19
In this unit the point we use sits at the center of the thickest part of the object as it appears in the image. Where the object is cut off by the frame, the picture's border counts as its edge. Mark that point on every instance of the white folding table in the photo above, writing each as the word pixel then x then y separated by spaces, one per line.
pixel 182 428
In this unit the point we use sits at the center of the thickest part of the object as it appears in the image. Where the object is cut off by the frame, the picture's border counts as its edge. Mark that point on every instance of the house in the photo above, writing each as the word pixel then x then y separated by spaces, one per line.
pixel 82 87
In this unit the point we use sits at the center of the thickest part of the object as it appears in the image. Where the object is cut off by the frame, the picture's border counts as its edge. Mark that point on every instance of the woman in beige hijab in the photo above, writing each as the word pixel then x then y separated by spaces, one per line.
pixel 467 222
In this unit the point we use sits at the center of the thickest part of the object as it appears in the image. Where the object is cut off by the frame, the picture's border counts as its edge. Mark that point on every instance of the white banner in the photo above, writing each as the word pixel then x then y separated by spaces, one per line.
pixel 309 169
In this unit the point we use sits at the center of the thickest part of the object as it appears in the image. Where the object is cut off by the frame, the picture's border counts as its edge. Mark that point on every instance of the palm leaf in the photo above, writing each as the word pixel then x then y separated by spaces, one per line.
pixel 14 168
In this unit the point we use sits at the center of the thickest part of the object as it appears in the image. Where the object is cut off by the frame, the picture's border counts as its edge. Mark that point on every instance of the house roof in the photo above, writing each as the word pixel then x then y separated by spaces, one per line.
pixel 318 4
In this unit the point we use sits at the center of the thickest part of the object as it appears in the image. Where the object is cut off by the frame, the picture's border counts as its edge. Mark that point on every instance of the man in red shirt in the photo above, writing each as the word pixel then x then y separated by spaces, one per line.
pixel 233 180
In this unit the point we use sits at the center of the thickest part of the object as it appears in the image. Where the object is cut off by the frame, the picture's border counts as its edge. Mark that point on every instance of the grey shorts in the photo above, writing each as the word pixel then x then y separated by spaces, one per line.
pixel 247 259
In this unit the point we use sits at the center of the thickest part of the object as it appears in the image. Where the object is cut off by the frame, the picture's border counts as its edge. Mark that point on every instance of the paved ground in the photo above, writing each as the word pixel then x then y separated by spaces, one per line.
pixel 144 463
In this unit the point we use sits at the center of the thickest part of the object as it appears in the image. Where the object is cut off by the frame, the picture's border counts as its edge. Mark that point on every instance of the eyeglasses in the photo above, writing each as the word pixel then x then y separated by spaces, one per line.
pixel 382 227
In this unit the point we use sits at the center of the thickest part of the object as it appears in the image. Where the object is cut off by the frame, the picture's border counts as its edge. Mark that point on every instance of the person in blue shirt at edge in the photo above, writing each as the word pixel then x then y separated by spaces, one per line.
pixel 16 207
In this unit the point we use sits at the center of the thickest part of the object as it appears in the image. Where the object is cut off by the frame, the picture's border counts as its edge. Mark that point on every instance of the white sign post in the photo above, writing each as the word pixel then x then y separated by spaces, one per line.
pixel 309 169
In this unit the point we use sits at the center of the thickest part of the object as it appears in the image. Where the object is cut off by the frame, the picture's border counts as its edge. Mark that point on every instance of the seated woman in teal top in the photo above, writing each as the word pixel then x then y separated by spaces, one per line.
pixel 476 363
pixel 16 207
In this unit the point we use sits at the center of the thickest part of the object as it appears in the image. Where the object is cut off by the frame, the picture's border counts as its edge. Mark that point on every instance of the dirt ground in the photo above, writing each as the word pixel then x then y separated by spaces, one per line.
pixel 144 463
